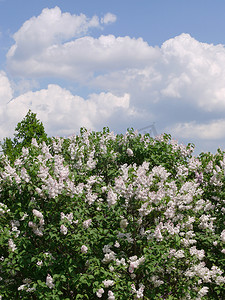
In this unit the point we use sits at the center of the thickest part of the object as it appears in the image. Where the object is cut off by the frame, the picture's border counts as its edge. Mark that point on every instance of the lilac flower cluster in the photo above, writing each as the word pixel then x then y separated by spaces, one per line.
pixel 110 216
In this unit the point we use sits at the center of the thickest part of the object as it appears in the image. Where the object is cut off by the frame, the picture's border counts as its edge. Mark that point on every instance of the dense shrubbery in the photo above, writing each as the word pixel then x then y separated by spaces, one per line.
pixel 111 216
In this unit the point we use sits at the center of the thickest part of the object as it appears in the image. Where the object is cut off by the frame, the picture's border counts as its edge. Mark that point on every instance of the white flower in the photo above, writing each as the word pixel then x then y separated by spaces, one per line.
pixel 84 249
pixel 3 209
pixel 21 287
pixel 129 152
pixel 69 217
pixel 121 262
pixel 87 223
pixel 199 253
pixel 111 295
pixel 37 214
pixel 42 222
pixel 135 262
pixel 24 216
pixel 40 263
pixel 63 229
pixel 108 283
pixel 157 234
pixel 179 254
pixel 203 291
pixel 139 292
pixel 99 293
pixel 117 245
pixel 111 197
pixel 223 236
pixel 109 257
pixel 12 246
pixel 49 281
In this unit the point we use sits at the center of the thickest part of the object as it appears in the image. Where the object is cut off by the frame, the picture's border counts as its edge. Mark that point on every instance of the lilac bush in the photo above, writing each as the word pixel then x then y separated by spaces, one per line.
pixel 106 216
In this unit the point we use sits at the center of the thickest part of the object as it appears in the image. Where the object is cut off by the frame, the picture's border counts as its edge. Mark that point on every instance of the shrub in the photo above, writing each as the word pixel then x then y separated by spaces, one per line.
pixel 109 216
pixel 30 127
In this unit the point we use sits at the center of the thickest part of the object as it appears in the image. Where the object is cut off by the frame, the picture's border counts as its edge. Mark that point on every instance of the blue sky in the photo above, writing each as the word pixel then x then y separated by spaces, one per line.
pixel 115 63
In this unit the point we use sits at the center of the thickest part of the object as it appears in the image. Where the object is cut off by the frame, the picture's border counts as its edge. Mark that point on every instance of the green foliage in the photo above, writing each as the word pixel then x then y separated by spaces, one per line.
pixel 108 216
pixel 30 127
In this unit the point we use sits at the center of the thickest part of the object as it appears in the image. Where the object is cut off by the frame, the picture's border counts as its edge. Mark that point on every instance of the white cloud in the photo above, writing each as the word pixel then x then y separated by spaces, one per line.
pixel 64 113
pixel 5 89
pixel 213 130
pixel 179 85
pixel 84 57
pixel 182 68
pixel 108 18
pixel 49 28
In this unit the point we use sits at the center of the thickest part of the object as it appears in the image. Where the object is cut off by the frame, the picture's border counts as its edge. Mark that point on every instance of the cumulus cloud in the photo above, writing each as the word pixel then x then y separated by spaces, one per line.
pixel 49 28
pixel 108 18
pixel 182 68
pixel 5 89
pixel 179 85
pixel 64 113
pixel 213 130
pixel 84 57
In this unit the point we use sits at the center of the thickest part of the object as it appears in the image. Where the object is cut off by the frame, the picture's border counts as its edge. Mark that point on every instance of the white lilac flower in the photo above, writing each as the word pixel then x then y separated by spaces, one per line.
pixel 49 281
pixel 206 222
pixel 117 245
pixel 84 249
pixel 194 163
pixel 199 253
pixel 111 295
pixel 40 263
pixel 111 197
pixel 139 292
pixel 135 262
pixel 21 287
pixel 38 231
pixel 109 257
pixel 30 290
pixel 3 209
pixel 24 175
pixel 63 229
pixel 99 293
pixel 41 222
pixel 223 236
pixel 11 244
pixel 69 217
pixel 37 214
pixel 157 234
pixel 91 197
pixel 120 262
pixel 15 231
pixel 108 283
pixel 129 152
pixel 87 223
pixel 15 223
pixel 220 280
pixel 34 142
pixel 179 254
pixel 106 249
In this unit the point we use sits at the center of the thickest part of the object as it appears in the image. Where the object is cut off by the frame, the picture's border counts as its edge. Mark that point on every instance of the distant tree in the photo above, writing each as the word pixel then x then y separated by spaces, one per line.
pixel 30 127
